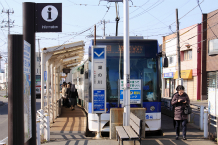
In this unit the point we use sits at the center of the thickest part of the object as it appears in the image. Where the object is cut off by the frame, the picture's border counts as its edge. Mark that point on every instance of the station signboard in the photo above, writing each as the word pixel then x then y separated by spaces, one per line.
pixel 99 79
pixel 135 91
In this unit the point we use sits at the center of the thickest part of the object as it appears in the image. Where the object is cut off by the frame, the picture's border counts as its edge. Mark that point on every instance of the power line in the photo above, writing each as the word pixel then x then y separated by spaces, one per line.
pixel 202 14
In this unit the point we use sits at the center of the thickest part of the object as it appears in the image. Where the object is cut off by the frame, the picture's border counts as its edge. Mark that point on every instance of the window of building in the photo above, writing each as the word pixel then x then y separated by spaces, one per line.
pixel 187 55
pixel 170 60
pixel 213 47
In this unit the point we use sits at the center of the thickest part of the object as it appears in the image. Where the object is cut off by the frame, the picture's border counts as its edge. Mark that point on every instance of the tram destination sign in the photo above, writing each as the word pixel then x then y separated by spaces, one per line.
pixel 99 79
pixel 48 17
pixel 135 91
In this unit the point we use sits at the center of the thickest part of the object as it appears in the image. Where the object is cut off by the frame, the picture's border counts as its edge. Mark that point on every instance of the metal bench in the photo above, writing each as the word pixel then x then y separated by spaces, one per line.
pixel 132 132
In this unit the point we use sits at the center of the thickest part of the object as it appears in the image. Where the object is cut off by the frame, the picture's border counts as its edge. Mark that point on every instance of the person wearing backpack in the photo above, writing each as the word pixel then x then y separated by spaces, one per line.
pixel 179 101
pixel 73 96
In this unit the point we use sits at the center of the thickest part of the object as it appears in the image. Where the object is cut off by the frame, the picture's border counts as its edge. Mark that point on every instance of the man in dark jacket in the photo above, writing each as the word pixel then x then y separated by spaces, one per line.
pixel 179 101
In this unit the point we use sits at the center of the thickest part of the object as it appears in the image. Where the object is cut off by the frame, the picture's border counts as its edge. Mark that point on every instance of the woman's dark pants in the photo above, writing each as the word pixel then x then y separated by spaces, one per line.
pixel 184 127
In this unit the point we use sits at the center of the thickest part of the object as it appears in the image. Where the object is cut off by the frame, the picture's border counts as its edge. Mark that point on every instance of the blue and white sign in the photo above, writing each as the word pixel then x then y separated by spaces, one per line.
pixel 45 75
pixel 99 79
pixel 99 53
pixel 168 75
pixel 27 91
pixel 135 91
pixel 99 100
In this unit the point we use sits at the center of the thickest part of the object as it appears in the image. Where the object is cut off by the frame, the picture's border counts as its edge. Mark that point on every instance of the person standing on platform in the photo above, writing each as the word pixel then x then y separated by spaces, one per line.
pixel 180 100
pixel 68 96
pixel 73 96
pixel 64 95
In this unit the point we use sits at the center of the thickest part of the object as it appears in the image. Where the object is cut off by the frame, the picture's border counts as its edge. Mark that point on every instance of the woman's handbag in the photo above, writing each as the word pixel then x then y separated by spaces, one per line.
pixel 187 110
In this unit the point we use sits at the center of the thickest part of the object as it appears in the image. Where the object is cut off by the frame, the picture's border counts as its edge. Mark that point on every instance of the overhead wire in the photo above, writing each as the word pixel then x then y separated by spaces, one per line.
pixel 202 13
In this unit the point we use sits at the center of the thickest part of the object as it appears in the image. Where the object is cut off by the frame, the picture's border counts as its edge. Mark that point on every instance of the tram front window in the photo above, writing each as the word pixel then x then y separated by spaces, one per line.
pixel 140 68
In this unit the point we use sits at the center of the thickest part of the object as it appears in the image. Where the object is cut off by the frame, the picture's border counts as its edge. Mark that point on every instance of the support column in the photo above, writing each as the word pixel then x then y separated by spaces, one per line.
pixel 42 79
pixel 47 87
pixel 126 91
pixel 52 91
pixel 29 36
pixel 15 90
pixel 55 95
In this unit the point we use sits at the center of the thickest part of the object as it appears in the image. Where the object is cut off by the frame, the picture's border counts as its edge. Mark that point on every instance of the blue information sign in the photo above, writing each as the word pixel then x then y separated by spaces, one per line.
pixel 168 75
pixel 135 96
pixel 99 100
pixel 98 53
pixel 45 75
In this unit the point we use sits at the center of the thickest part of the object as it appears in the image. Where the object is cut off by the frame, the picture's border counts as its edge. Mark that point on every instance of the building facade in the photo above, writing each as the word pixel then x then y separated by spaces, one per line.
pixel 190 58
pixel 210 57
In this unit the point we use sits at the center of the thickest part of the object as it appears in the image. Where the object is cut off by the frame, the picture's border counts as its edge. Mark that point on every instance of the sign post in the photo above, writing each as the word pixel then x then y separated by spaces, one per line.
pixel 37 17
pixel 99 84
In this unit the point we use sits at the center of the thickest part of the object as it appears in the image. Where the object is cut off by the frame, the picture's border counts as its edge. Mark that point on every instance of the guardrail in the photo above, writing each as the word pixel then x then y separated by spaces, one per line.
pixel 42 126
pixel 4 141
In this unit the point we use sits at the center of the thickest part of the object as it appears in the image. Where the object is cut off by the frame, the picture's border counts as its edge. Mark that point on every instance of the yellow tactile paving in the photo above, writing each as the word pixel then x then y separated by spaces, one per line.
pixel 70 120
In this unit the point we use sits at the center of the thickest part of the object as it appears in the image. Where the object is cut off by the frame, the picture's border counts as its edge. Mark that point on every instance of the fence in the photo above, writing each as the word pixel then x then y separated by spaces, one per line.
pixel 42 126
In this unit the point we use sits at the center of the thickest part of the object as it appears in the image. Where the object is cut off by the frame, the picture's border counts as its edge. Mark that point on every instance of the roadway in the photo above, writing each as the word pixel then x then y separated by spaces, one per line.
pixel 4 114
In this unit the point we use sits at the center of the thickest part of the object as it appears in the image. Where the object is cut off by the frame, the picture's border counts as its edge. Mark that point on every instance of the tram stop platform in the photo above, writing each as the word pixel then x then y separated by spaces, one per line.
pixel 70 129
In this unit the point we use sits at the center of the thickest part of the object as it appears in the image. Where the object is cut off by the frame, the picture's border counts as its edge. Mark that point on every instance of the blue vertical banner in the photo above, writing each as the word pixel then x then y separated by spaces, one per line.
pixel 99 79
pixel 45 75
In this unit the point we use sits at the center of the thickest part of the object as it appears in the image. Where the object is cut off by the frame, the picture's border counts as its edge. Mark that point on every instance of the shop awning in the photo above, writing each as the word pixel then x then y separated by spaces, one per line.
pixel 185 74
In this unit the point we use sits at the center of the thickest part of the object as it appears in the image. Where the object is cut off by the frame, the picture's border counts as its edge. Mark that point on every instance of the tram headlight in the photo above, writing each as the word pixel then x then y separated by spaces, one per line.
pixel 152 108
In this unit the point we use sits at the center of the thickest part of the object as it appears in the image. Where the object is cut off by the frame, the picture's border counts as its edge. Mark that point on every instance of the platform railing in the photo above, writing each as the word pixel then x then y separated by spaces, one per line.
pixel 43 127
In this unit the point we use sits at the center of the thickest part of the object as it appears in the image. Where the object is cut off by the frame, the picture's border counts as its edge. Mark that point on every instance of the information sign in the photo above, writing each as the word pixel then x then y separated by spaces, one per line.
pixel 27 92
pixel 135 91
pixel 99 79
pixel 48 17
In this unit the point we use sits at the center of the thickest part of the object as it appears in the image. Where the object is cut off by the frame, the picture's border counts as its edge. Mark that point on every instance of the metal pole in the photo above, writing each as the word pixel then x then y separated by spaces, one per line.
pixel 202 118
pixel 98 135
pixel 29 36
pixel 178 50
pixel 47 87
pixel 42 80
pixel 104 28
pixel 94 35
pixel 126 96
pixel 15 90
pixel 52 92
pixel 205 123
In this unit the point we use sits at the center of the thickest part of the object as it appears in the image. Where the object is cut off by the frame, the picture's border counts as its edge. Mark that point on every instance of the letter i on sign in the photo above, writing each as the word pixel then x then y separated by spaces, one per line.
pixel 49 13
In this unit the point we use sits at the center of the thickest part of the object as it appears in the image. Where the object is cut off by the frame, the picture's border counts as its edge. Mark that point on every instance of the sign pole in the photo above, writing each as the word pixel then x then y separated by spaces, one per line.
pixel 126 90
pixel 29 36
pixel 99 84
pixel 15 94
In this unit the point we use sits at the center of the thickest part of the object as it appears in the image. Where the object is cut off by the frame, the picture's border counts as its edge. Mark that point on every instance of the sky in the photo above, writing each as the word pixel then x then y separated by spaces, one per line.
pixel 151 19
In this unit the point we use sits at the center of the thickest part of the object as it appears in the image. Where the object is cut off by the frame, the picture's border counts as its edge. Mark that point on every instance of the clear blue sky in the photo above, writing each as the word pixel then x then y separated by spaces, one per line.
pixel 148 18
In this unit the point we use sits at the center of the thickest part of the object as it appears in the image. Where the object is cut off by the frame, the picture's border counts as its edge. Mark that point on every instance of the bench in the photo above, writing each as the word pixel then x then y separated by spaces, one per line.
pixel 129 133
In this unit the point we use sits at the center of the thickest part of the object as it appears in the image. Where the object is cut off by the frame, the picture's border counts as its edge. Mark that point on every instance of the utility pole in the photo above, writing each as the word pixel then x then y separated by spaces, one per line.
pixel 8 24
pixel 180 80
pixel 126 91
pixel 117 18
pixel 94 35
